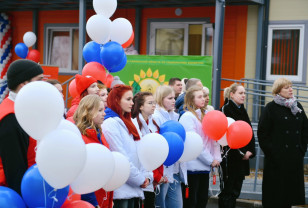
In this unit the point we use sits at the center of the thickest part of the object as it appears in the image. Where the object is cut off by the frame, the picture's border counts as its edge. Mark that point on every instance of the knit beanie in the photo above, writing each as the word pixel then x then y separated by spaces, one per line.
pixel 83 82
pixel 22 70
pixel 116 81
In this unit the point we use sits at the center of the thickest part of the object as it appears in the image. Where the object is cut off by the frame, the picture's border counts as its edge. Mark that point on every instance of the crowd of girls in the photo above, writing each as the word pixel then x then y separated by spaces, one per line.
pixel 119 120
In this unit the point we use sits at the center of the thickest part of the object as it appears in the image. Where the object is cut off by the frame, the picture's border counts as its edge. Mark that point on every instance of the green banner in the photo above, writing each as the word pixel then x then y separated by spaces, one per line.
pixel 145 73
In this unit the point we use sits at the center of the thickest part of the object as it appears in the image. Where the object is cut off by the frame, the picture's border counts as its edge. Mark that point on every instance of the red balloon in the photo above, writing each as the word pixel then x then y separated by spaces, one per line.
pixel 215 124
pixel 239 134
pixel 78 204
pixel 130 40
pixel 72 88
pixel 109 80
pixel 95 70
pixel 34 55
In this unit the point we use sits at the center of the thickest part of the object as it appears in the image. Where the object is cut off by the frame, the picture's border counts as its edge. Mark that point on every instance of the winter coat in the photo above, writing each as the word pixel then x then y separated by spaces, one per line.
pixel 120 140
pixel 211 150
pixel 235 164
pixel 161 116
pixel 104 199
pixel 283 139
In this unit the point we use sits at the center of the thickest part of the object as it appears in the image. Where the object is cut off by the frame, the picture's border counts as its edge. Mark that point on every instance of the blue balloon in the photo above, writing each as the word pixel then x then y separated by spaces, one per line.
pixel 91 52
pixel 173 126
pixel 176 147
pixel 112 54
pixel 35 190
pixel 21 50
pixel 10 198
pixel 120 66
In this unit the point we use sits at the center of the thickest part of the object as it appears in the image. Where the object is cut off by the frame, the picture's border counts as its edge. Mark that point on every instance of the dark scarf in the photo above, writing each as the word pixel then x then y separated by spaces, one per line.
pixel 289 103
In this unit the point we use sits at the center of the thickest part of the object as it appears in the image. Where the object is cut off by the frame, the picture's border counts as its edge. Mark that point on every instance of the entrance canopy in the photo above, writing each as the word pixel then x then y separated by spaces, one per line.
pixel 22 5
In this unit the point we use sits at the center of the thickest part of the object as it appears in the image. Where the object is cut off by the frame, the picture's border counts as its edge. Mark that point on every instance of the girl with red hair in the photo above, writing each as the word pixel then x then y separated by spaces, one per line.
pixel 122 136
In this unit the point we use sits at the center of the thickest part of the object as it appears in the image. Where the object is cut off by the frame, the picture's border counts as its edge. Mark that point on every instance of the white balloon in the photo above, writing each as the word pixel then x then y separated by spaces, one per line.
pixel 121 30
pixel 193 147
pixel 98 28
pixel 60 157
pixel 39 108
pixel 97 171
pixel 105 7
pixel 147 148
pixel 67 125
pixel 29 39
pixel 223 141
pixel 120 174
pixel 230 121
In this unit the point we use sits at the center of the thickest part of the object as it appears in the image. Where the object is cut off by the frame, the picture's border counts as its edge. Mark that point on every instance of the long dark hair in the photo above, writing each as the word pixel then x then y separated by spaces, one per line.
pixel 139 100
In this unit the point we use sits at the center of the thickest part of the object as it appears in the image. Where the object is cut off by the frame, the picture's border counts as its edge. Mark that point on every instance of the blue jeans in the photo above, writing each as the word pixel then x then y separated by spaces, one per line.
pixel 170 194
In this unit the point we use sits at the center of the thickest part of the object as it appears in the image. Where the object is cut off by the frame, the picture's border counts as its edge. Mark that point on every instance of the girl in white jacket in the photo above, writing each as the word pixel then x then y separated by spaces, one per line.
pixel 198 169
pixel 170 194
pixel 122 136
pixel 144 106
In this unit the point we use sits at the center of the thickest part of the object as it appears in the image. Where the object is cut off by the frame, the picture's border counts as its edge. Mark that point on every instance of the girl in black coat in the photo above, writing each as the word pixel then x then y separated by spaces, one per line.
pixel 235 164
pixel 283 134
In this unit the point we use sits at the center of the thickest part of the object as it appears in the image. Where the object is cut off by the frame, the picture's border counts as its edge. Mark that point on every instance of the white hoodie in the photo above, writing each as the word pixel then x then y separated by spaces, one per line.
pixel 146 129
pixel 211 150
pixel 120 140
pixel 161 116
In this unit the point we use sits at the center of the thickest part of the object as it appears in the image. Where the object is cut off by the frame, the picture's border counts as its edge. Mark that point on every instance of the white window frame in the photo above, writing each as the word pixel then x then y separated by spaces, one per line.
pixel 301 28
pixel 177 25
pixel 47 48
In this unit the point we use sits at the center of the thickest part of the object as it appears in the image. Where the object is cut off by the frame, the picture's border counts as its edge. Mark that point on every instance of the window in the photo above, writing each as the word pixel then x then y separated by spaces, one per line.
pixel 285 52
pixel 61 47
pixel 181 38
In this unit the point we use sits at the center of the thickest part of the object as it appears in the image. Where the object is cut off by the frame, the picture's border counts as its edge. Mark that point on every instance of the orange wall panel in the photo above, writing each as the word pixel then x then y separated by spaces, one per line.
pixel 234 39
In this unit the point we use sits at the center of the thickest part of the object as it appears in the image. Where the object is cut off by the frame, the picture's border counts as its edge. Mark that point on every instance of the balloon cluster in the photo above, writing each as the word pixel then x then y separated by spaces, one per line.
pixel 109 38
pixel 226 131
pixel 22 49
pixel 174 144
pixel 63 159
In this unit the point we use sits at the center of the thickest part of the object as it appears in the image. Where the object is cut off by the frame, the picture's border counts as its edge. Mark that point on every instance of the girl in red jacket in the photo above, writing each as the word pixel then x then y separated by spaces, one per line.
pixel 85 85
pixel 89 117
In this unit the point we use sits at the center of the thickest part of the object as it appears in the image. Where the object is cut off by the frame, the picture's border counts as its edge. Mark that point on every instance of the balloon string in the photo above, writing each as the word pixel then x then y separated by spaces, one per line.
pixel 226 154
pixel 53 197
pixel 44 193
pixel 70 196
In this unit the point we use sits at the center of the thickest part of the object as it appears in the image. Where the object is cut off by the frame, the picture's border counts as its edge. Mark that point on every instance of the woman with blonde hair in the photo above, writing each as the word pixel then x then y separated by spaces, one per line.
pixel 198 169
pixel 282 135
pixel 235 163
pixel 206 94
pixel 89 117
pixel 170 194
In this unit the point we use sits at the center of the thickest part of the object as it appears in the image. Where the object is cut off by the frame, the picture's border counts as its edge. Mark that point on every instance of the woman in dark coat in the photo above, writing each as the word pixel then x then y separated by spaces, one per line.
pixel 235 164
pixel 282 134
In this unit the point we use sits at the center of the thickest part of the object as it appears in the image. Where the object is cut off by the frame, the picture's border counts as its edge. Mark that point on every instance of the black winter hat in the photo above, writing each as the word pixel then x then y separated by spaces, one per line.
pixel 22 70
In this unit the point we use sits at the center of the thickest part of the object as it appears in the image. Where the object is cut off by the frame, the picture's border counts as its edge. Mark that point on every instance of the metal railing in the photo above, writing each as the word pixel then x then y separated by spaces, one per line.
pixel 66 85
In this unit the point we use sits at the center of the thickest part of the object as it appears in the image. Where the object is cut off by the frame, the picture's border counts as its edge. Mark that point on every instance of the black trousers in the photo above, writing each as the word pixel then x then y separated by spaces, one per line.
pixel 124 203
pixel 231 190
pixel 198 191
pixel 149 201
